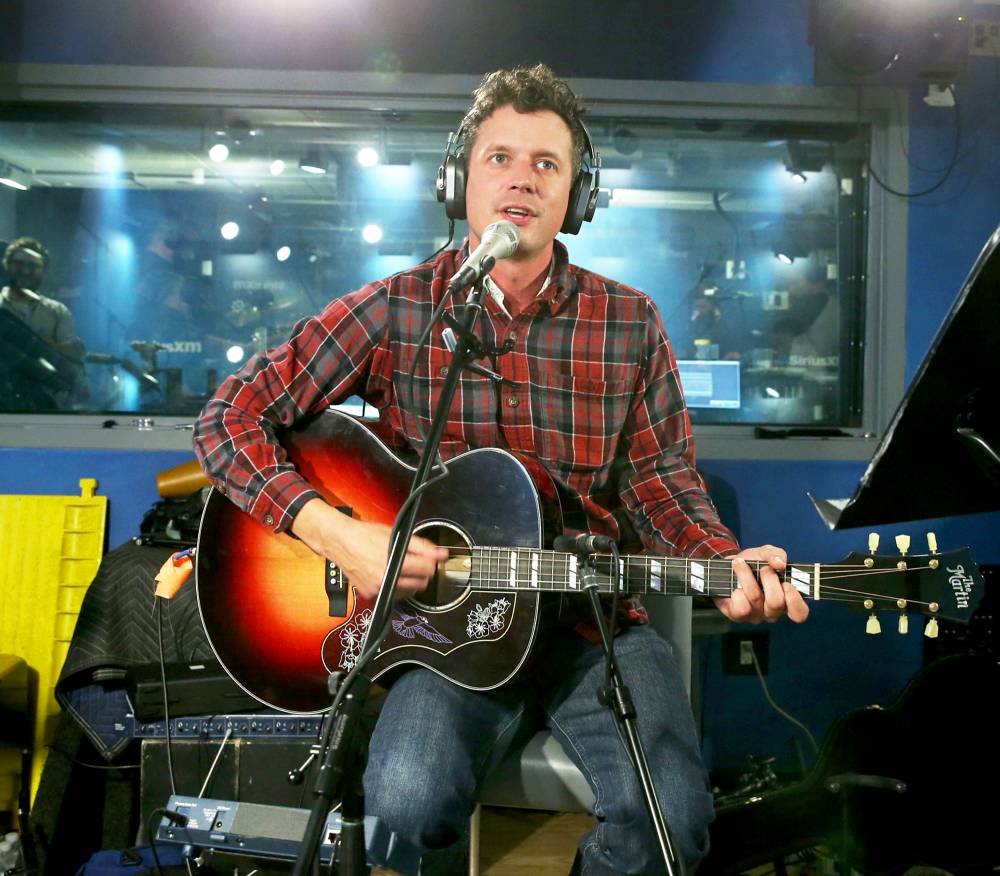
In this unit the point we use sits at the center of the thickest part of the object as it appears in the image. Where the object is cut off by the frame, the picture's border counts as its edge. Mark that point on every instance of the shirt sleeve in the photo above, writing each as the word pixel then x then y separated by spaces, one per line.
pixel 325 361
pixel 655 466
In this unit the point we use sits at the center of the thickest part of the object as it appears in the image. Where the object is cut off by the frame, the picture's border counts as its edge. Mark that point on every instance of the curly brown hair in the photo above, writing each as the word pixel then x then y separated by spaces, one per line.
pixel 528 90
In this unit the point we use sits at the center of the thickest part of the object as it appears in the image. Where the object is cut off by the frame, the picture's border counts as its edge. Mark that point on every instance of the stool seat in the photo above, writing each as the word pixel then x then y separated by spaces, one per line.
pixel 538 776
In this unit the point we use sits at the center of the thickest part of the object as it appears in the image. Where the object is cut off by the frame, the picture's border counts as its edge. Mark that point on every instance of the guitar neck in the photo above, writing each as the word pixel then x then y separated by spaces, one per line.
pixel 502 568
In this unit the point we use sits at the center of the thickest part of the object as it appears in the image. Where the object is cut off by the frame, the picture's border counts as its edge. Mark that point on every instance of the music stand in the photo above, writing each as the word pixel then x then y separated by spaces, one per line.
pixel 941 453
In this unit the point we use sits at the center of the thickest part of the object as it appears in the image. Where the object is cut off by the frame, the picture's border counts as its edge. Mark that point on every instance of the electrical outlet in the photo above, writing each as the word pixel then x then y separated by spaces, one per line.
pixel 739 649
pixel 984 37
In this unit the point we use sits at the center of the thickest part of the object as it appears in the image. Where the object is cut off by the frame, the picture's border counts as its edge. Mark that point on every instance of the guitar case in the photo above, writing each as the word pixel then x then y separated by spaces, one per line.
pixel 938 739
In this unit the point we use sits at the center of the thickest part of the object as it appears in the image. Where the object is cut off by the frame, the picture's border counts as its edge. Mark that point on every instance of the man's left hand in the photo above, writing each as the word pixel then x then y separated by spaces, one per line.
pixel 766 599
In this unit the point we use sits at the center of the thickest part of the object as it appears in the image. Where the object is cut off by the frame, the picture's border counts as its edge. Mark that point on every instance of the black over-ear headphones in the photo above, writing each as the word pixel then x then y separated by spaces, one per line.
pixel 582 196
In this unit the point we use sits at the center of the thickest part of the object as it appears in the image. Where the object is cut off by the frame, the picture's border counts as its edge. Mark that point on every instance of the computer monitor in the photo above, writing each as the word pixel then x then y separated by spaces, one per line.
pixel 710 383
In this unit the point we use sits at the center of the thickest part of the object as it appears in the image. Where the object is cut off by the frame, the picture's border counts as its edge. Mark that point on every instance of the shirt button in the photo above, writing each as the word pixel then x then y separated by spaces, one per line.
pixel 443 371
pixel 513 337
pixel 269 520
pixel 512 401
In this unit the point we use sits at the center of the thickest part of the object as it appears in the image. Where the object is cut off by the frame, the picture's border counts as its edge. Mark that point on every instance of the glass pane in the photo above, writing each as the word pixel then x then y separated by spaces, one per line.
pixel 182 241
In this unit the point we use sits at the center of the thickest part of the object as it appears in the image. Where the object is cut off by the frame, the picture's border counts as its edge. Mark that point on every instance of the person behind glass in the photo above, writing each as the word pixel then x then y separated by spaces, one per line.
pixel 594 398
pixel 25 262
pixel 808 333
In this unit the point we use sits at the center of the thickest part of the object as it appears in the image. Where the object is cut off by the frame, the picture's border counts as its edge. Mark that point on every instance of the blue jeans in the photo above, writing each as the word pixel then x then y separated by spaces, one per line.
pixel 435 742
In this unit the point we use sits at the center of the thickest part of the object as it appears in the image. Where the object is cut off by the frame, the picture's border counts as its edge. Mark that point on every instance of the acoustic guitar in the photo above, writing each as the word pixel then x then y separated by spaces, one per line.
pixel 280 618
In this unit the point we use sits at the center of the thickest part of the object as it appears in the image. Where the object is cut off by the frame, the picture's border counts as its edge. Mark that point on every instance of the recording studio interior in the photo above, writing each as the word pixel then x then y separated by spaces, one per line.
pixel 387 387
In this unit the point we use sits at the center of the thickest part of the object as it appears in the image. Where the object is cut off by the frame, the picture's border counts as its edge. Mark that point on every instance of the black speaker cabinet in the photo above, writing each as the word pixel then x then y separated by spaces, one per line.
pixel 249 770
pixel 889 42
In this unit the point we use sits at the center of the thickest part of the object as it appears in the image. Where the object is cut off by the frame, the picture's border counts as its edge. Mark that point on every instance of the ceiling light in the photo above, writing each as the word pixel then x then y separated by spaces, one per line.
pixel 367 156
pixel 235 354
pixel 283 253
pixel 371 233
pixel 805 155
pixel 12 177
pixel 230 231
pixel 661 198
pixel 219 152
pixel 312 162
pixel 277 167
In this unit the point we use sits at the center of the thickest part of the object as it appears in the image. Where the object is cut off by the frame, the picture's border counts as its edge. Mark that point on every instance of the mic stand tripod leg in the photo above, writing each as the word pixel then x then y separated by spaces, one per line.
pixel 343 752
pixel 617 697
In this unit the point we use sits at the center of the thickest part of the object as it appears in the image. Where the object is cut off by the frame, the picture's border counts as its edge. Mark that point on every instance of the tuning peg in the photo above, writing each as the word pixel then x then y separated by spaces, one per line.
pixel 903 543
pixel 873 541
pixel 904 624
pixel 931 630
pixel 873 627
pixel 932 542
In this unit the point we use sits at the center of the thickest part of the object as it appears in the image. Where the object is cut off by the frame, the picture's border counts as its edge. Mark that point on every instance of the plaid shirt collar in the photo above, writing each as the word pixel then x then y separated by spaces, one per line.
pixel 559 286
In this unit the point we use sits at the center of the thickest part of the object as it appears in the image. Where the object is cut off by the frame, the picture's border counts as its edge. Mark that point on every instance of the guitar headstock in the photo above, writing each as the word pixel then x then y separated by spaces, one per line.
pixel 937 585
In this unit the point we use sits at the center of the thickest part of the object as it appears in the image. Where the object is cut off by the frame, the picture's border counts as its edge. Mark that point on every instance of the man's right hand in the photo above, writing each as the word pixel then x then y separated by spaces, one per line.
pixel 361 549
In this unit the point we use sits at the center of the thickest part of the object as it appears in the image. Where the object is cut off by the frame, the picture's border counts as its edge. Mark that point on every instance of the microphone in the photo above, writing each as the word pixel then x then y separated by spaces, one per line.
pixel 584 543
pixel 499 242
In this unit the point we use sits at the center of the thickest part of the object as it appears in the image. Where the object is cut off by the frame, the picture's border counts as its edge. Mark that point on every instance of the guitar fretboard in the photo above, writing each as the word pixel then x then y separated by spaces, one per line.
pixel 503 568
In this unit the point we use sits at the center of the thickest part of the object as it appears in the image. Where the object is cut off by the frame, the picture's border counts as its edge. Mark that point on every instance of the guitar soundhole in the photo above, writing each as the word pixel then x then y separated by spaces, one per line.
pixel 451 583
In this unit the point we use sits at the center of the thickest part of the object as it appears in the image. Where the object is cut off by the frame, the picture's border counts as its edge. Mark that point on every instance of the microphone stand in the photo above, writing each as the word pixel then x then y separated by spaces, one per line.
pixel 615 695
pixel 343 752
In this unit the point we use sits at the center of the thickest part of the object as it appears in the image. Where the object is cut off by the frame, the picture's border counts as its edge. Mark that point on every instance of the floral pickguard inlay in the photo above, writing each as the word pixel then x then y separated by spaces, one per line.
pixel 486 619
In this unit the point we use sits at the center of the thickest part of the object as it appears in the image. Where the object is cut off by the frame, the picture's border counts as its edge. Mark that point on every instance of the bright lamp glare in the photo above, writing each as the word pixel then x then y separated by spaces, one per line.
pixel 219 152
pixel 784 258
pixel 283 253
pixel 367 157
pixel 371 233
pixel 13 184
pixel 799 177
pixel 230 230
pixel 235 354
pixel 277 167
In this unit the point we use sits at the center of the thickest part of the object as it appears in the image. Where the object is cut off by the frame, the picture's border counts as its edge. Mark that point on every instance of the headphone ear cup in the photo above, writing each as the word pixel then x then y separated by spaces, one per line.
pixel 581 203
pixel 453 191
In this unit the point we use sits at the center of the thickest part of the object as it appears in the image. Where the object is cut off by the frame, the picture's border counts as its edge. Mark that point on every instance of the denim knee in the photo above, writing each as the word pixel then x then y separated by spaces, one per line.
pixel 415 802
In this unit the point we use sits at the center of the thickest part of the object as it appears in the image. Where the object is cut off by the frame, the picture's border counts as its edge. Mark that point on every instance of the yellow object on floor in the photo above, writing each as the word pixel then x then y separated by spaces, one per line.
pixel 50 549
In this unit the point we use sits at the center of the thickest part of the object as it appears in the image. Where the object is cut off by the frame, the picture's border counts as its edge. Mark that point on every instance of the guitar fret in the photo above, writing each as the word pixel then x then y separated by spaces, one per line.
pixel 656 575
pixel 697 576
pixel 801 579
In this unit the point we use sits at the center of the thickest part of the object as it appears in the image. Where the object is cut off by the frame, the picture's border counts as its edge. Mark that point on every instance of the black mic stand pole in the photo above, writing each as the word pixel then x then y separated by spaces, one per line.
pixel 618 699
pixel 340 754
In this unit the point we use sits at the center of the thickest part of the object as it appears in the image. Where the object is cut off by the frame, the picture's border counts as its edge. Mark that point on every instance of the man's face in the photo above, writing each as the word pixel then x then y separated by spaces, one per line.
pixel 26 267
pixel 520 168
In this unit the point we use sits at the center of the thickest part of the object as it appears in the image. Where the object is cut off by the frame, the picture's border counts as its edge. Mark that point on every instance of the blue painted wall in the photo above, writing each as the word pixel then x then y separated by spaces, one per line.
pixel 817 671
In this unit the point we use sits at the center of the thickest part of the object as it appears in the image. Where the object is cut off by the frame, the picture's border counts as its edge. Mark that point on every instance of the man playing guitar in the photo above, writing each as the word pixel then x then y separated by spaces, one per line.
pixel 590 392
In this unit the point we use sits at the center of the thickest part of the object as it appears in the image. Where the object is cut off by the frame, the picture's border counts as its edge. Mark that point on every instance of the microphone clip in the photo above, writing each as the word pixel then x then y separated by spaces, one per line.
pixel 476 347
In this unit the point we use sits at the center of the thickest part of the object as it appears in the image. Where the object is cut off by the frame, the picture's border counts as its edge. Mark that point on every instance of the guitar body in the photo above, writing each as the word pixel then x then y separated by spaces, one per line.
pixel 264 597
pixel 281 619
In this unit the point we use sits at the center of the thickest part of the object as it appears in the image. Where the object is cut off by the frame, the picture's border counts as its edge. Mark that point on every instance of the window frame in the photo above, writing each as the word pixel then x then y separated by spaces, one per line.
pixel 886 234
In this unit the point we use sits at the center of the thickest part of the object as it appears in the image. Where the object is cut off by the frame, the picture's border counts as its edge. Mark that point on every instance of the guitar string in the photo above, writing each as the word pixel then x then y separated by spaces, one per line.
pixel 558 571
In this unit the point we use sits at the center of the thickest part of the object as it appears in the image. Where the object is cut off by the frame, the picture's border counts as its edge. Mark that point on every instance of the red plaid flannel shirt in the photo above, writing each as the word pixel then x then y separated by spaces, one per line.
pixel 591 391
